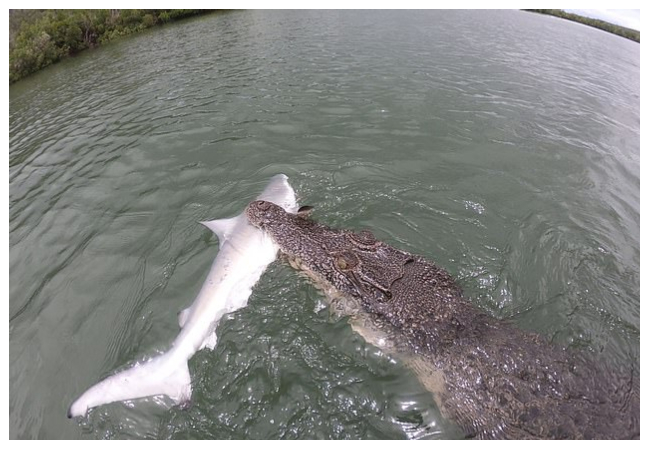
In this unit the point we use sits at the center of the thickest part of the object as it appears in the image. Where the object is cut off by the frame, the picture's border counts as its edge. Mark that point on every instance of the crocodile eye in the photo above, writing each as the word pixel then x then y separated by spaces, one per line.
pixel 363 239
pixel 346 261
pixel 262 205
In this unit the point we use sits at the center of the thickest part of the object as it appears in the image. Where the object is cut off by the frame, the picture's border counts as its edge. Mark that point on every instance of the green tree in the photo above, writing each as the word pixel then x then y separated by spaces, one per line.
pixel 39 38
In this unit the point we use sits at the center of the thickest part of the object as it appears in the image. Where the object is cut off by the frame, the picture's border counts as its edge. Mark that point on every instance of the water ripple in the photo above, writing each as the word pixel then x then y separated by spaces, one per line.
pixel 508 155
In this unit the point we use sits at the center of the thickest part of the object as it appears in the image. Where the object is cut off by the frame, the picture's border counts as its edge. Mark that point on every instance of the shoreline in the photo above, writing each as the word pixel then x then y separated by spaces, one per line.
pixel 40 38
pixel 618 30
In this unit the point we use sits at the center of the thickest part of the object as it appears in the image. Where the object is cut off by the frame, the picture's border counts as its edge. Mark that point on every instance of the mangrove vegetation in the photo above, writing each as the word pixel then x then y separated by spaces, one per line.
pixel 601 24
pixel 38 38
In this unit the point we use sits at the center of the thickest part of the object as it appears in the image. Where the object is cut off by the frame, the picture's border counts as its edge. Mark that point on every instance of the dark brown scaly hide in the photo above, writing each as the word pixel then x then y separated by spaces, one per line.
pixel 494 380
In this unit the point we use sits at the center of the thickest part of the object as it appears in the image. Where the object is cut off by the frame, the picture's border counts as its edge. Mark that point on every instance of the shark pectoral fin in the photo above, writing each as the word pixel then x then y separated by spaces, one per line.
pixel 222 227
pixel 160 376
pixel 210 342
pixel 182 316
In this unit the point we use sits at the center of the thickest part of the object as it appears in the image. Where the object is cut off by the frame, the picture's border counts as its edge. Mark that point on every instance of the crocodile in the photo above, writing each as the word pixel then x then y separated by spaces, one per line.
pixel 494 380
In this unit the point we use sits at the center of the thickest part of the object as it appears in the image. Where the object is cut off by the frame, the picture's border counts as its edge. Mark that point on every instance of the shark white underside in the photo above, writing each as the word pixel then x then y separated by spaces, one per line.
pixel 244 254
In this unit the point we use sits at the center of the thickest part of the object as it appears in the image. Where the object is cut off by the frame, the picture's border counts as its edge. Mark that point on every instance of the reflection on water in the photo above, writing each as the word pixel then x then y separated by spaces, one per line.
pixel 502 145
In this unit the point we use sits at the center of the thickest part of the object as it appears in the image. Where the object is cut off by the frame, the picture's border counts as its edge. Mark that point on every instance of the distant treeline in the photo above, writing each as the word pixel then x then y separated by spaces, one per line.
pixel 38 38
pixel 606 26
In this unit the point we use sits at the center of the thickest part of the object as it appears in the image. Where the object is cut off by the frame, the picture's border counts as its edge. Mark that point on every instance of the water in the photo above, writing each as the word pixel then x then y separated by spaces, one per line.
pixel 502 145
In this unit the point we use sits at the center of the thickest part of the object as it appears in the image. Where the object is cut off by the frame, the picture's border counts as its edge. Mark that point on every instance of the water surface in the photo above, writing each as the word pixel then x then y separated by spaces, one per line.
pixel 502 145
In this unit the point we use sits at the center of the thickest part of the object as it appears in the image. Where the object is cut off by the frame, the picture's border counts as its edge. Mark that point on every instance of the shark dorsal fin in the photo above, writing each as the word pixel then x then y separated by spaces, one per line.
pixel 221 227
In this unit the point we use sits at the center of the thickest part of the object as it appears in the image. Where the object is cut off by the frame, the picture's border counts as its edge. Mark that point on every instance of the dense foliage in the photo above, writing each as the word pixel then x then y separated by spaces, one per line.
pixel 38 38
pixel 601 24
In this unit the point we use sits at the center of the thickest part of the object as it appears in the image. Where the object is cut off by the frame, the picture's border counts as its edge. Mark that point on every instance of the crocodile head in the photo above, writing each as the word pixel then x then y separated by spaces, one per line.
pixel 493 379
pixel 354 263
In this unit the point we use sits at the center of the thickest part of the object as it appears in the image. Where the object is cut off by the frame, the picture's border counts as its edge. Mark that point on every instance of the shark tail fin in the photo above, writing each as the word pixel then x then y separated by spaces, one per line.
pixel 160 376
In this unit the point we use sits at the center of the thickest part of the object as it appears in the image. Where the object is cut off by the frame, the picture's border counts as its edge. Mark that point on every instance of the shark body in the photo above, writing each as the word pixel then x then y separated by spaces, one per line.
pixel 244 253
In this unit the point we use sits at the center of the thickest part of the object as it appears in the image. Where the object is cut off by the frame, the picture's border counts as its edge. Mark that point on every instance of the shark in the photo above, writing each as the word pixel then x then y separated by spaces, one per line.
pixel 244 253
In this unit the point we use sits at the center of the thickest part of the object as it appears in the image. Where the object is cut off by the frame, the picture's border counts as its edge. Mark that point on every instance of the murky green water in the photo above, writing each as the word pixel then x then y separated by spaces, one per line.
pixel 503 145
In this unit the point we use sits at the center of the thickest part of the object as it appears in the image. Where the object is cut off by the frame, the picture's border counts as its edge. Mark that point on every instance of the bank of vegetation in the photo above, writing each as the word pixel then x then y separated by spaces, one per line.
pixel 38 38
pixel 601 24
